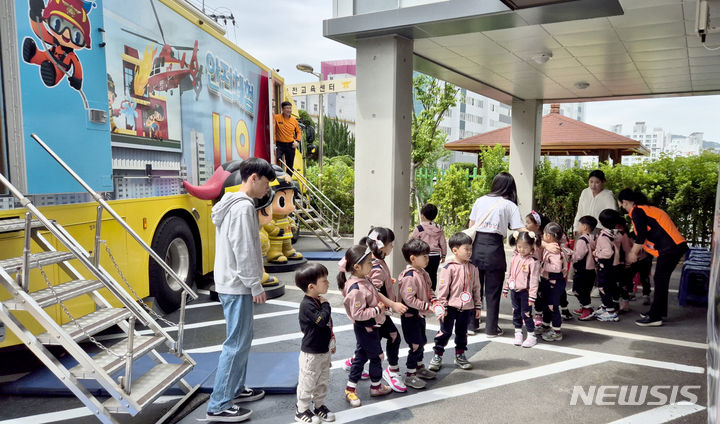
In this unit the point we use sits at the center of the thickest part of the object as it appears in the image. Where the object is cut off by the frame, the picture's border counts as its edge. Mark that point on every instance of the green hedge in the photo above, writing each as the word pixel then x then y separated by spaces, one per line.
pixel 338 185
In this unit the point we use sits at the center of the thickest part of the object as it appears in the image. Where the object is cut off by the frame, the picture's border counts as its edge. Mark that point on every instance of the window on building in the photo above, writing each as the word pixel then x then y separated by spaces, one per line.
pixel 315 107
pixel 302 105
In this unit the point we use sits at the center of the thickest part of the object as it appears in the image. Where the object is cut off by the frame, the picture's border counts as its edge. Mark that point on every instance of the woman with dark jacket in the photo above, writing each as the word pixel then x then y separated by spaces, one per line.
pixel 656 234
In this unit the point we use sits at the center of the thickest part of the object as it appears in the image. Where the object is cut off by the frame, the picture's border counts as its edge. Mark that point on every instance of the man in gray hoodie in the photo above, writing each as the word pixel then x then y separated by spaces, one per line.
pixel 238 272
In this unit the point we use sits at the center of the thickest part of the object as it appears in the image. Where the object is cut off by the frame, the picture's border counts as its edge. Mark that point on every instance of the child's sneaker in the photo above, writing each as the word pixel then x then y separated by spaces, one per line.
pixel 425 373
pixel 530 341
pixel 233 414
pixel 414 382
pixel 324 414
pixel 435 363
pixel 542 328
pixel 462 362
pixel 608 316
pixel 352 398
pixel 471 332
pixel 566 315
pixel 306 417
pixel 624 306
pixel 394 381
pixel 348 364
pixel 538 320
pixel 518 338
pixel 379 390
pixel 578 311
pixel 552 336
pixel 587 314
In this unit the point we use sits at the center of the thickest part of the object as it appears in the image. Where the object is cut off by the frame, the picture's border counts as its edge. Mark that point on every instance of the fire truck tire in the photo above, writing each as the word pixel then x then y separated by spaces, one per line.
pixel 174 242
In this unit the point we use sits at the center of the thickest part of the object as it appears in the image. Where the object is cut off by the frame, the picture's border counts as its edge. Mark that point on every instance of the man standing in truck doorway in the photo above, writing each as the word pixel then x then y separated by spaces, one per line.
pixel 287 135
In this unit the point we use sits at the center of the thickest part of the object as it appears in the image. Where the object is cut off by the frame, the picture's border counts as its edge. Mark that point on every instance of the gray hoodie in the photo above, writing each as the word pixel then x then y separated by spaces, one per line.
pixel 238 258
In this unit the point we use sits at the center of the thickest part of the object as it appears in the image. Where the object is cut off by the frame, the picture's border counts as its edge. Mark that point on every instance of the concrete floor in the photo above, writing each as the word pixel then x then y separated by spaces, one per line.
pixel 507 385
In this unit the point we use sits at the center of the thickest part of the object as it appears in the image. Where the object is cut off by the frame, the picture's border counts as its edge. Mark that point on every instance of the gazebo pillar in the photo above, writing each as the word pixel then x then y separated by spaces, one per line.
pixel 525 149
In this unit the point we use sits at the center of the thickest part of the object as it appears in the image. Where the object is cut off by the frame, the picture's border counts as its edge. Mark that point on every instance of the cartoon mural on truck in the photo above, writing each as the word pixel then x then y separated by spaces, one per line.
pixel 192 94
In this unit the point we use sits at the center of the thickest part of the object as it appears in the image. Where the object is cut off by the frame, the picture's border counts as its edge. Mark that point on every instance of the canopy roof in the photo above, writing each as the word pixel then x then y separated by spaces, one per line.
pixel 561 136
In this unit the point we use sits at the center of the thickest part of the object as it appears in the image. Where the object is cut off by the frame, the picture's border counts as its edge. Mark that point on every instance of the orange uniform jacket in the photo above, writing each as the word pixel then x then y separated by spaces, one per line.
pixel 287 130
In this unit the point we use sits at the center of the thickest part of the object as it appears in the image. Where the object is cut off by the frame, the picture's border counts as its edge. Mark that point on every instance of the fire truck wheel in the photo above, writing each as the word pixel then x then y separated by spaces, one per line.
pixel 174 242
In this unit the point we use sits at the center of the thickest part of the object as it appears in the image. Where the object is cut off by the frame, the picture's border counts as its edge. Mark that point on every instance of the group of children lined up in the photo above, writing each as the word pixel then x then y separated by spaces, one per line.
pixel 536 277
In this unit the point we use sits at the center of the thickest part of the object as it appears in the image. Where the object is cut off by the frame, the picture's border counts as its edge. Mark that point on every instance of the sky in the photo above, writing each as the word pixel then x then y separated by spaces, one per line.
pixel 283 33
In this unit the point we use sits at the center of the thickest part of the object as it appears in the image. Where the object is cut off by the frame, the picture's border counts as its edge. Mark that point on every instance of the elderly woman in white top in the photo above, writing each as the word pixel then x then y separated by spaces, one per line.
pixel 493 214
pixel 594 199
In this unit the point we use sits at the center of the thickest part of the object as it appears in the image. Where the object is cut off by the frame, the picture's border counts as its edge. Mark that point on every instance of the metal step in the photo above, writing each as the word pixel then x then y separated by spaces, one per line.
pixel 64 291
pixel 111 363
pixel 18 224
pixel 151 385
pixel 13 265
pixel 91 323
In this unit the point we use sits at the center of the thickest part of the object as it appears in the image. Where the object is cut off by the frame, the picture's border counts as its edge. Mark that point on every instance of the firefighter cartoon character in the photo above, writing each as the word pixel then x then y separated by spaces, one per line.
pixel 63 27
pixel 264 210
pixel 280 229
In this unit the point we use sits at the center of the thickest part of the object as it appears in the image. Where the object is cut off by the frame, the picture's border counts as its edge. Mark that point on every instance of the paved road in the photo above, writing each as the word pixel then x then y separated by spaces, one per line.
pixel 508 384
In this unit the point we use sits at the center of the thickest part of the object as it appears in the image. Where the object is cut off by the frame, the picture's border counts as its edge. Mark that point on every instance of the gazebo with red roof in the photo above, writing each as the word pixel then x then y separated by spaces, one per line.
pixel 561 136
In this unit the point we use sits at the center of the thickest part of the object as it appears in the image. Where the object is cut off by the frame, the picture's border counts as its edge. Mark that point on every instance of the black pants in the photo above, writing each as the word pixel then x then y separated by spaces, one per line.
pixel 392 347
pixel 461 320
pixel 624 279
pixel 552 293
pixel 643 267
pixel 583 285
pixel 607 284
pixel 413 327
pixel 522 311
pixel 286 152
pixel 664 267
pixel 489 257
pixel 432 269
pixel 368 348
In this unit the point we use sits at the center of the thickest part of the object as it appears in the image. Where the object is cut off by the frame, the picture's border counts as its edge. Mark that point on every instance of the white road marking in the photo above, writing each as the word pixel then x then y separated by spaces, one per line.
pixel 625 335
pixel 461 389
pixel 663 414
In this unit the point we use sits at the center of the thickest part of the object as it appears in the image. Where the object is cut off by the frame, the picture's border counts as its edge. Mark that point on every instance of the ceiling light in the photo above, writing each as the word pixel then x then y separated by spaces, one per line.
pixel 541 58
pixel 581 85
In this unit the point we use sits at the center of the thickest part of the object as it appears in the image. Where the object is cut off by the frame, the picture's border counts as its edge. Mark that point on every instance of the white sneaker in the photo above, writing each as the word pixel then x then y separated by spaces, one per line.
pixel 348 364
pixel 394 380
pixel 530 341
pixel 518 338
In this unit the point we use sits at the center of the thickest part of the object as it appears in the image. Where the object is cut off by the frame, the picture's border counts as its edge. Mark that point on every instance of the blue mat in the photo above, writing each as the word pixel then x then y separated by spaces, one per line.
pixel 274 372
pixel 323 255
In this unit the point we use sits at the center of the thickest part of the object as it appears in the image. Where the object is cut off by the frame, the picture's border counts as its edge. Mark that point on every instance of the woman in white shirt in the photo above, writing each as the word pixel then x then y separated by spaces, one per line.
pixel 594 199
pixel 495 213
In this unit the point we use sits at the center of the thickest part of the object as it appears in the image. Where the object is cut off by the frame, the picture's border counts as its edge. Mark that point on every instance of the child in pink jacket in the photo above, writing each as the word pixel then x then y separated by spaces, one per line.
pixel 459 293
pixel 415 292
pixel 552 284
pixel 584 264
pixel 607 258
pixel 367 313
pixel 434 236
pixel 522 284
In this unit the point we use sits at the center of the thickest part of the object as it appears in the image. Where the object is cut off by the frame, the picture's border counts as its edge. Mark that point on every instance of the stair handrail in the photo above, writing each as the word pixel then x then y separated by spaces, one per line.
pixel 314 190
pixel 117 217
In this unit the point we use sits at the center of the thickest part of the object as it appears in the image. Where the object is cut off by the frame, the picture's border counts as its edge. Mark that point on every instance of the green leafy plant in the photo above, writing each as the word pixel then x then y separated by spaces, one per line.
pixel 338 182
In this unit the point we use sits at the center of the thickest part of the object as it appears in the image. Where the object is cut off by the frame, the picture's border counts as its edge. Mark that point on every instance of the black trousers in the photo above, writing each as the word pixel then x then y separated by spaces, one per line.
pixel 489 257
pixel 522 311
pixel 368 348
pixel 583 285
pixel 664 267
pixel 552 293
pixel 460 319
pixel 392 347
pixel 413 327
pixel 286 152
pixel 624 278
pixel 643 267
pixel 432 269
pixel 607 283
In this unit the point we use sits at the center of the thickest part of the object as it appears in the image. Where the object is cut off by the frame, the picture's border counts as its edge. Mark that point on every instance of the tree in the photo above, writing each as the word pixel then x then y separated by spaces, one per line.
pixel 435 98
pixel 309 128
pixel 338 140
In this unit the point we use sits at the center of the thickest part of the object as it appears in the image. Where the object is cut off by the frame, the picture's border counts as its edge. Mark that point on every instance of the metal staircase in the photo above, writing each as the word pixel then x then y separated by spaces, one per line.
pixel 127 396
pixel 321 217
